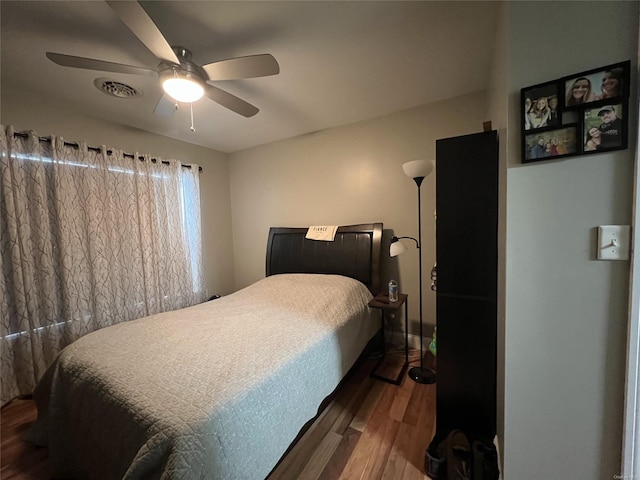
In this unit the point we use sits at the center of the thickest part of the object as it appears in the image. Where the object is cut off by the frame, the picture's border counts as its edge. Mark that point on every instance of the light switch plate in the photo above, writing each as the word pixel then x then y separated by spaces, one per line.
pixel 613 242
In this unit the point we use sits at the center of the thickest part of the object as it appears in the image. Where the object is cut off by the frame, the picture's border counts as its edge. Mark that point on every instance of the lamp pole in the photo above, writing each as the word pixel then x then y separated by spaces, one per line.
pixel 421 374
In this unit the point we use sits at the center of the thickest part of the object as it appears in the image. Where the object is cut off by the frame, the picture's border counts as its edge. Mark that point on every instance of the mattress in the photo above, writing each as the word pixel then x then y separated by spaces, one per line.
pixel 214 391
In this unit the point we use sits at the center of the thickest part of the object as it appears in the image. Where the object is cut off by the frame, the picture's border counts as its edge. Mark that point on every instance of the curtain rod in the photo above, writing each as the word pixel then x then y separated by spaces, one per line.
pixel 98 149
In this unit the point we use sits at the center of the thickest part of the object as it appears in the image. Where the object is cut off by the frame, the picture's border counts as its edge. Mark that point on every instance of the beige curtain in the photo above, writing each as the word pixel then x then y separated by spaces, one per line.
pixel 89 238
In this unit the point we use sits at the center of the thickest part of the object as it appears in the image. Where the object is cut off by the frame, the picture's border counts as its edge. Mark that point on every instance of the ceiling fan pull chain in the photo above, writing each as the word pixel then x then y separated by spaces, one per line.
pixel 193 129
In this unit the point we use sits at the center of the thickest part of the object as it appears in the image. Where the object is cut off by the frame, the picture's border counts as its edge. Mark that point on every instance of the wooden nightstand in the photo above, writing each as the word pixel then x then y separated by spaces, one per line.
pixel 381 302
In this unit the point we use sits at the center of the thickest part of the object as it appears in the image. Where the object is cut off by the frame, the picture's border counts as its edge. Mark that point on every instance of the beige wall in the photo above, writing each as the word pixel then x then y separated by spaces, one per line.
pixel 46 118
pixel 566 312
pixel 347 175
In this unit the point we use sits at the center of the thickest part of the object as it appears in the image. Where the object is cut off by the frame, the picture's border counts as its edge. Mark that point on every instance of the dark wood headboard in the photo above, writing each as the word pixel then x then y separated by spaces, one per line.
pixel 355 252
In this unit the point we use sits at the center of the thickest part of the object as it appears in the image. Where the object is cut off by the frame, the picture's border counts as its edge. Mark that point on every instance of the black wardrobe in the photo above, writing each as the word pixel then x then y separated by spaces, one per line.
pixel 467 261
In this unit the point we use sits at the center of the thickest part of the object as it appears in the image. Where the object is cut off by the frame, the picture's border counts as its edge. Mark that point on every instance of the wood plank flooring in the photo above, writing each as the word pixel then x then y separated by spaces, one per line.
pixel 369 430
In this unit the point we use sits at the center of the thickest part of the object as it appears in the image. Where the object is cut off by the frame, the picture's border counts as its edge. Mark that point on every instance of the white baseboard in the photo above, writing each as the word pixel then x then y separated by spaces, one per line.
pixel 413 340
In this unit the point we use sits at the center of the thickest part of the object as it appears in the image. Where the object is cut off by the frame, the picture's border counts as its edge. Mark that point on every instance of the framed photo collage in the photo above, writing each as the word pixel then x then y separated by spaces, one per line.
pixel 579 114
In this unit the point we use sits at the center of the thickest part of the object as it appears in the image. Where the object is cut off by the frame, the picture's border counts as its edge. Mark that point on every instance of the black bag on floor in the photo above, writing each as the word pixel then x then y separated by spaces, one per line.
pixel 460 457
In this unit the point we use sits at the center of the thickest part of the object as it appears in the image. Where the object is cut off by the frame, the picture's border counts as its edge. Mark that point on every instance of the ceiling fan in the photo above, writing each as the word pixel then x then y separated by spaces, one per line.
pixel 182 79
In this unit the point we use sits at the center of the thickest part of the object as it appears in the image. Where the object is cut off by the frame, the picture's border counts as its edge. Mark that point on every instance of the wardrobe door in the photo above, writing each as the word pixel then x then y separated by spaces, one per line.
pixel 466 366
pixel 467 214
pixel 466 253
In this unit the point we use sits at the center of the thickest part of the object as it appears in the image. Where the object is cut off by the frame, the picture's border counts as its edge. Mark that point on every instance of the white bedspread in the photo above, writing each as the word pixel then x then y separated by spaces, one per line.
pixel 214 391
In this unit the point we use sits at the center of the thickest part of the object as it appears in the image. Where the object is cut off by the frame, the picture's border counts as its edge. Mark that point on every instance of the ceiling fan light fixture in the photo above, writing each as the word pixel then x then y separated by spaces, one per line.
pixel 182 79
pixel 183 90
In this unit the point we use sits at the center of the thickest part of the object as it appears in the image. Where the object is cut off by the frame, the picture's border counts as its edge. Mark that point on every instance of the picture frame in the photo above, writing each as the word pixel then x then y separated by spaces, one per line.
pixel 551 143
pixel 541 106
pixel 603 84
pixel 590 114
pixel 604 127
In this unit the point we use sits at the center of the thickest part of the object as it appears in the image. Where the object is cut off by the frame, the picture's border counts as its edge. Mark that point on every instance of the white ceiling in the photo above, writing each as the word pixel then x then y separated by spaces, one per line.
pixel 340 61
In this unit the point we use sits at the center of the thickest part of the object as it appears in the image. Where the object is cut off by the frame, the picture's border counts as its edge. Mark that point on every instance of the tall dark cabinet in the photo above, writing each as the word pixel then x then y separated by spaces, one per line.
pixel 467 258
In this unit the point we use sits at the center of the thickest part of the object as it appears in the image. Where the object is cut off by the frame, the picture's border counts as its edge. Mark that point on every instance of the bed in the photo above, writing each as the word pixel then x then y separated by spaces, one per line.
pixel 218 390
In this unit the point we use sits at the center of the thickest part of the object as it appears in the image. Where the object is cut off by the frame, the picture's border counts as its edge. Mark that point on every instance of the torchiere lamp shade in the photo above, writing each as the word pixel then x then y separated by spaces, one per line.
pixel 417 169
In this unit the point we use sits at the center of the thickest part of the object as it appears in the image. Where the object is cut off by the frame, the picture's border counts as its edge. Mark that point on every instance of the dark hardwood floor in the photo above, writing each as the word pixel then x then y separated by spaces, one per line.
pixel 369 430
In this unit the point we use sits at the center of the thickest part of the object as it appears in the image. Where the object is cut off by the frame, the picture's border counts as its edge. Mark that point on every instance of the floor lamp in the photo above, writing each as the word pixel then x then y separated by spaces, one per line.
pixel 417 170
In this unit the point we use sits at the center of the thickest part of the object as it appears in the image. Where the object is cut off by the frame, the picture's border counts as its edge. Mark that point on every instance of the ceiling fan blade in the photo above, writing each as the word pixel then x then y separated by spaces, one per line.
pixel 165 106
pixel 92 64
pixel 243 67
pixel 230 101
pixel 134 16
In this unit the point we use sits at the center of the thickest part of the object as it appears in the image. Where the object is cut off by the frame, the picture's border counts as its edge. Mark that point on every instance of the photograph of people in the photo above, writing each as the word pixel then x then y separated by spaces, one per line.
pixel 611 84
pixel 539 150
pixel 608 122
pixel 540 113
pixel 610 128
pixel 540 106
pixel 527 109
pixel 554 114
pixel 558 147
pixel 593 140
pixel 579 92
pixel 550 144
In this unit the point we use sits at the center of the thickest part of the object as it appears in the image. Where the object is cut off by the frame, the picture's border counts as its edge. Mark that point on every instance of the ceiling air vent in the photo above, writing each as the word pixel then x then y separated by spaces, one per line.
pixel 116 89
